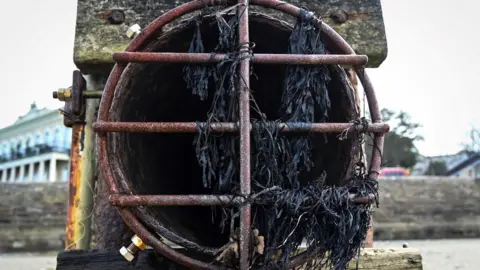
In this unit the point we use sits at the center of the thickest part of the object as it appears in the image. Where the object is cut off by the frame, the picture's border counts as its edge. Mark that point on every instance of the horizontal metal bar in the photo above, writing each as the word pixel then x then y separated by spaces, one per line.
pixel 292 59
pixel 92 93
pixel 192 127
pixel 200 200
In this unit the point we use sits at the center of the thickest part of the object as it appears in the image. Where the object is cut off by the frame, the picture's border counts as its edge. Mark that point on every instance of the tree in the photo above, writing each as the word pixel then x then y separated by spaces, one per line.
pixel 437 168
pixel 473 146
pixel 399 148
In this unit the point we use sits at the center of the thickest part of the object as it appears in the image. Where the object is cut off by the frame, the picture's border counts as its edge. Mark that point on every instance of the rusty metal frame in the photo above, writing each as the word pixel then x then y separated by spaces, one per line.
pixel 346 57
pixel 80 201
pixel 74 117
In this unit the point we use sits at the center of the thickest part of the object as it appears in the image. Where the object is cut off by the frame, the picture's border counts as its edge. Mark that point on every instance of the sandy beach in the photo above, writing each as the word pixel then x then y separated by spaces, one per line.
pixel 450 254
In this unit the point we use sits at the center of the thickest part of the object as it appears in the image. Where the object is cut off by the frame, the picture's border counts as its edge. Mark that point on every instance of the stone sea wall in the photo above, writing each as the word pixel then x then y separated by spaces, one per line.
pixel 428 209
pixel 32 216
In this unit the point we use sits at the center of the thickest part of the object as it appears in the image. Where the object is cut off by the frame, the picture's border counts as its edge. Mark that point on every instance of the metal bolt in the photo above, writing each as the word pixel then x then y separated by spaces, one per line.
pixel 116 17
pixel 133 31
pixel 66 94
pixel 339 16
pixel 92 93
pixel 129 252
pixel 63 94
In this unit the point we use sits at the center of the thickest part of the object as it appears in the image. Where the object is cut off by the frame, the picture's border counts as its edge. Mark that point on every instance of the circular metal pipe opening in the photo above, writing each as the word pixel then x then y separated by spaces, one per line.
pixel 131 163
pixel 161 163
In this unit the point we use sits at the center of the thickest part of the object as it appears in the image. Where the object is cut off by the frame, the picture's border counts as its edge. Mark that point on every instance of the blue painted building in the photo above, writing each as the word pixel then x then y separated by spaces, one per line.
pixel 35 148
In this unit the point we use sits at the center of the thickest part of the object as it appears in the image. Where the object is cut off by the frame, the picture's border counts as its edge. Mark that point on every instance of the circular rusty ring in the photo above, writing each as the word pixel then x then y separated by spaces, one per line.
pixel 107 98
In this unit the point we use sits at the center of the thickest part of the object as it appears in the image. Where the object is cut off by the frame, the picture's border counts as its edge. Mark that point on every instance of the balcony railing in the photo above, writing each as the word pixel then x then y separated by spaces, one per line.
pixel 32 151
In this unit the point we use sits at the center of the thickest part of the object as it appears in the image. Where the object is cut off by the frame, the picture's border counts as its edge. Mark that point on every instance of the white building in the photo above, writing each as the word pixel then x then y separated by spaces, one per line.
pixel 451 161
pixel 35 148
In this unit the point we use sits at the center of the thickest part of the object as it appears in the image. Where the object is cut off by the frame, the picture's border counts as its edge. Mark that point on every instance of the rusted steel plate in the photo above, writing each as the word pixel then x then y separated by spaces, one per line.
pixel 99 34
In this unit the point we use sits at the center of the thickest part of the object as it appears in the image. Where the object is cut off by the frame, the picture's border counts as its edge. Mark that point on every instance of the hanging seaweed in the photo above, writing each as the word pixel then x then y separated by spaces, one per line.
pixel 216 154
pixel 315 214
pixel 197 76
pixel 305 98
pixel 320 217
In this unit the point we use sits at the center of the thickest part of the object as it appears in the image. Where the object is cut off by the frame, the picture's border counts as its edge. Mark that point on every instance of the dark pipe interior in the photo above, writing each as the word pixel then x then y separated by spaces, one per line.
pixel 166 163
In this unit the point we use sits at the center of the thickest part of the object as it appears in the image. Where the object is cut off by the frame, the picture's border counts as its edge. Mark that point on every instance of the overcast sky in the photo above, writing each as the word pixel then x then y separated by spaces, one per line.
pixel 431 70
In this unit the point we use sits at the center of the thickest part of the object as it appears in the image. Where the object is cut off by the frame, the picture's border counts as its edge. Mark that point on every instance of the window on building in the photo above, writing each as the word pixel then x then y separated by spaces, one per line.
pixel 65 174
pixel 67 135
pixel 28 147
pixel 6 149
pixel 57 138
pixel 47 138
pixel 23 147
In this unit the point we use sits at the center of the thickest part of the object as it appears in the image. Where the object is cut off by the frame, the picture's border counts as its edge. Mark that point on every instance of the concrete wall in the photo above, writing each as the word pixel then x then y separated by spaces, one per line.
pixel 32 216
pixel 428 208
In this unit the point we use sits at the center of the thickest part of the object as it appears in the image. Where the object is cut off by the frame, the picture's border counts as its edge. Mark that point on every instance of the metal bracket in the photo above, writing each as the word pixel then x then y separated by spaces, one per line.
pixel 74 98
pixel 74 108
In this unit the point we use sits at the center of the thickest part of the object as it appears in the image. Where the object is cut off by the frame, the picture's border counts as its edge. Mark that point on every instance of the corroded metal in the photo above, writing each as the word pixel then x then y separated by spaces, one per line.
pixel 353 79
pixel 81 184
pixel 73 110
pixel 74 116
pixel 361 22
pixel 190 127
pixel 273 59
pixel 72 232
pixel 201 200
pixel 117 183
pixel 92 94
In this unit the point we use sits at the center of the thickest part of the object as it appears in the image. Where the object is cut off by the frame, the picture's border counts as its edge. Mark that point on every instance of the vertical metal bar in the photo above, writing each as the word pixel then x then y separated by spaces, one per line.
pixel 72 235
pixel 81 185
pixel 376 115
pixel 359 102
pixel 244 85
pixel 84 217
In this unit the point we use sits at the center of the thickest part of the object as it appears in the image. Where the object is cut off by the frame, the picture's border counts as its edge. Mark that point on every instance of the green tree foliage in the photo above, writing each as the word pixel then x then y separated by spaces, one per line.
pixel 399 148
pixel 437 168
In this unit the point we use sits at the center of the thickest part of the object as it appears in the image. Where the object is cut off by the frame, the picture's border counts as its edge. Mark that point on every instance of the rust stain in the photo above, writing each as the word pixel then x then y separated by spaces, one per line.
pixel 131 55
pixel 74 188
pixel 260 58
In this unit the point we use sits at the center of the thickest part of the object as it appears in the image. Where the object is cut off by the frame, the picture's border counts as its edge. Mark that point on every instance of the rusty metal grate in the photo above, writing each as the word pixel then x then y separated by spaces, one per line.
pixel 104 124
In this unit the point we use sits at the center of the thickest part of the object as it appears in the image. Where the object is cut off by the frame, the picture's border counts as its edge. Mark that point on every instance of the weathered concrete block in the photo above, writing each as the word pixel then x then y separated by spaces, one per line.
pixel 102 26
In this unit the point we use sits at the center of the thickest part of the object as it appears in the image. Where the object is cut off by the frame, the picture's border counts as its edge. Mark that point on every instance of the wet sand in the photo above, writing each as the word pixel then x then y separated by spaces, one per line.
pixel 28 261
pixel 437 254
pixel 443 254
